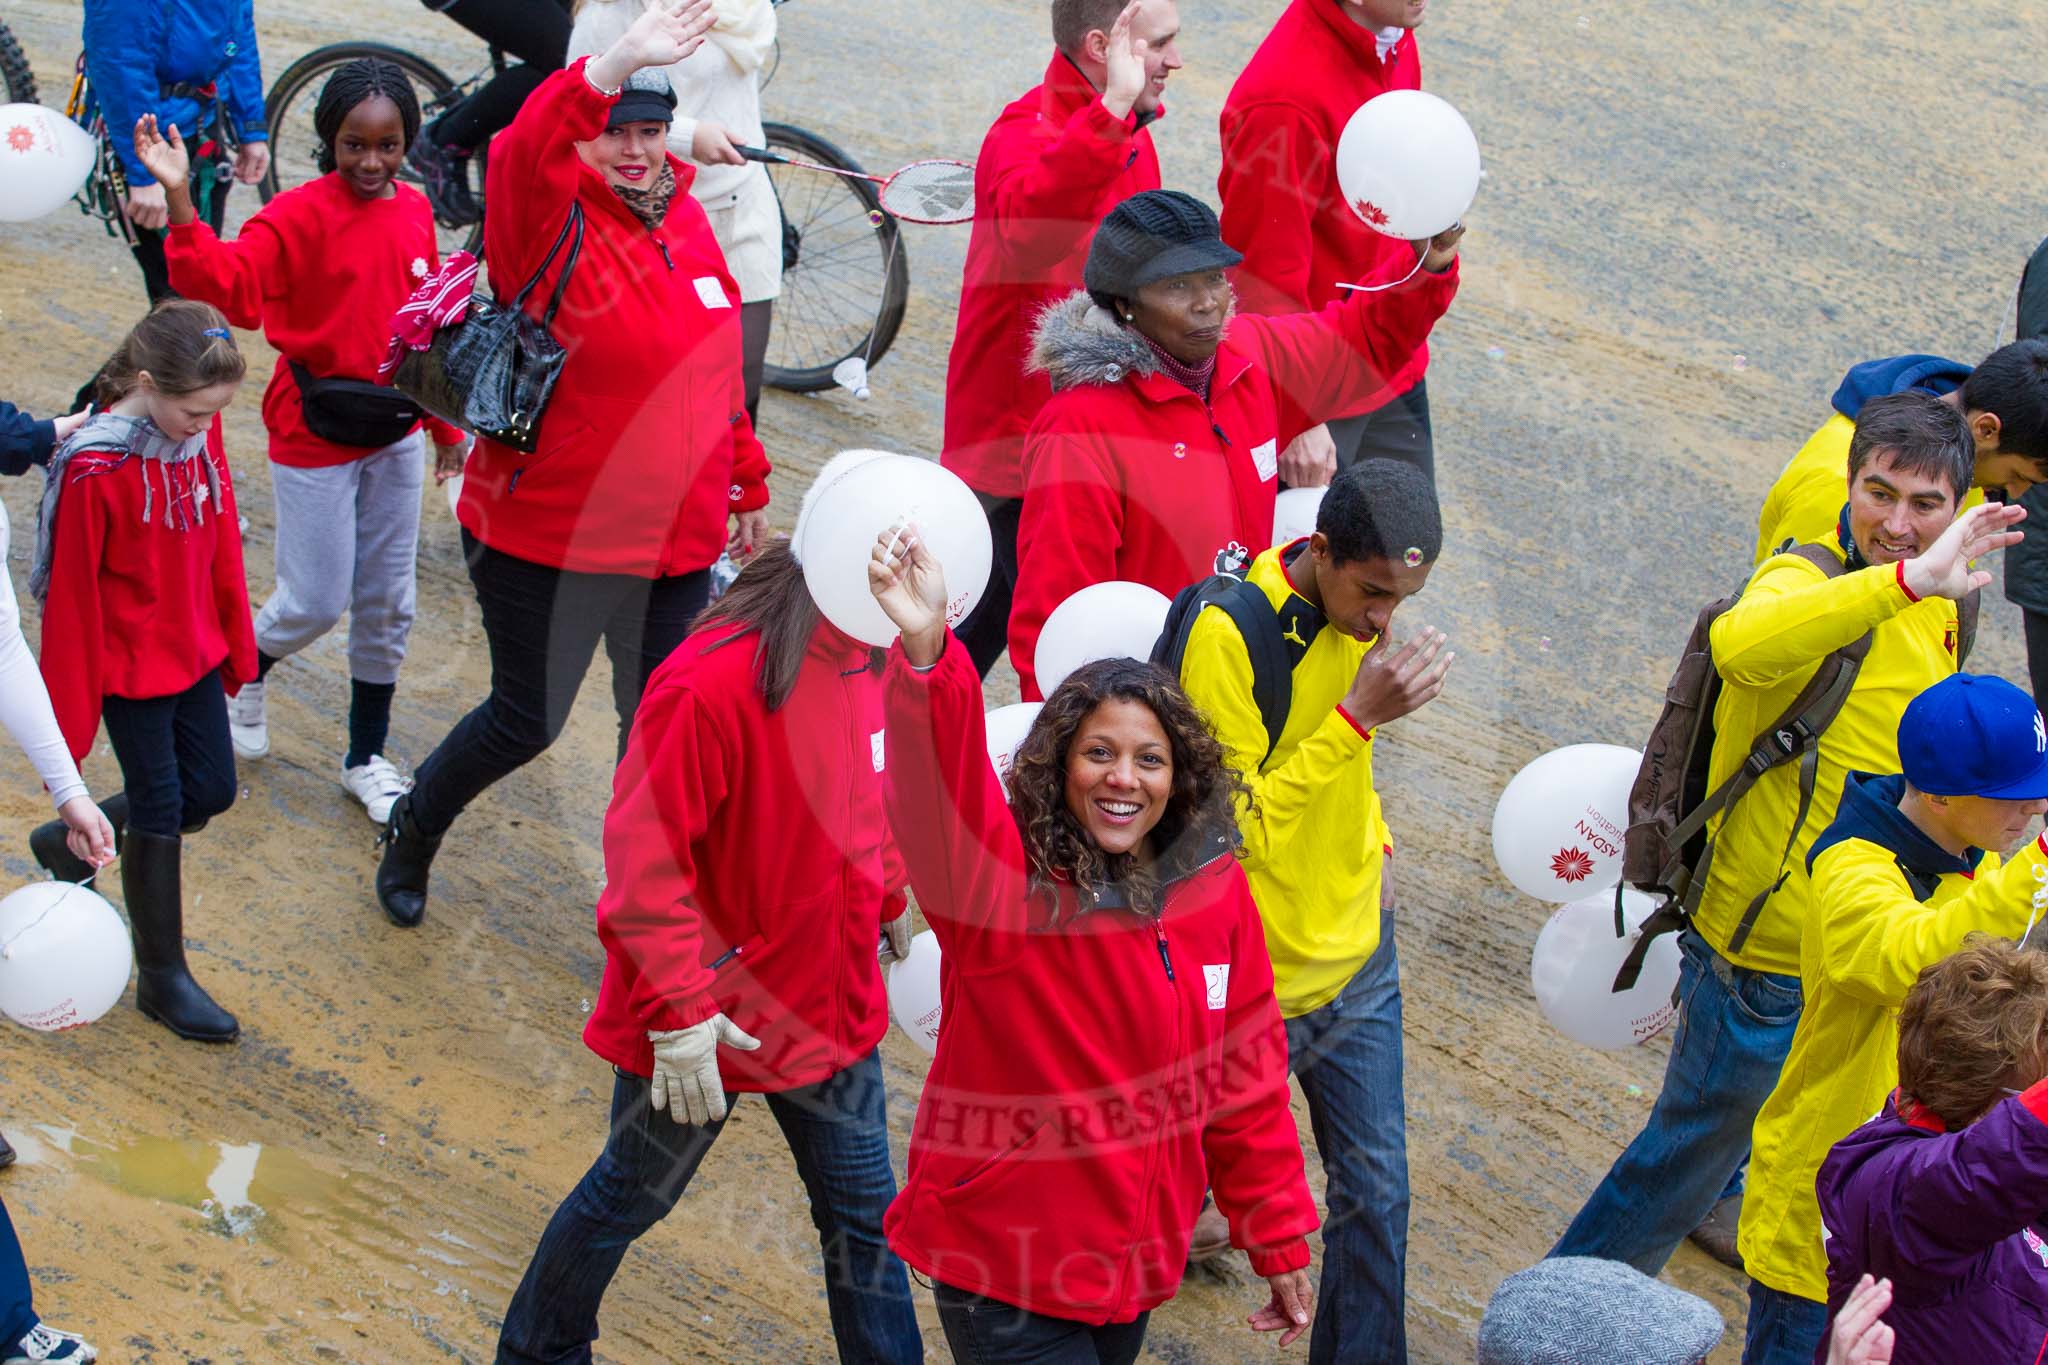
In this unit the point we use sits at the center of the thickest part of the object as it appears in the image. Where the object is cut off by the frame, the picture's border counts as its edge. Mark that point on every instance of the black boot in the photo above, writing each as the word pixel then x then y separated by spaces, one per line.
pixel 48 841
pixel 164 988
pixel 402 871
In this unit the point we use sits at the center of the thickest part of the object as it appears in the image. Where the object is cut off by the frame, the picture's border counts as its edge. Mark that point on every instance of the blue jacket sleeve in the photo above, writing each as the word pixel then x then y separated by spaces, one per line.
pixel 122 41
pixel 242 83
pixel 23 441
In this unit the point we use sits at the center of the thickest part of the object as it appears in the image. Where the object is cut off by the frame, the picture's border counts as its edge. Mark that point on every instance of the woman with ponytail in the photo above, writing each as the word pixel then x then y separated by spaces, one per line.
pixel 138 566
pixel 321 269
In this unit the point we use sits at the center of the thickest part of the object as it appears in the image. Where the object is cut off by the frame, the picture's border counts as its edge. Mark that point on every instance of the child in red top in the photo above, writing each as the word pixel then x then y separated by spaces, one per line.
pixel 138 565
pixel 322 269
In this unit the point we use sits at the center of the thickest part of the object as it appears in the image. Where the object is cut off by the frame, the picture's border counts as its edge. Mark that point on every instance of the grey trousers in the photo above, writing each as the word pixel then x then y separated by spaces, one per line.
pixel 347 540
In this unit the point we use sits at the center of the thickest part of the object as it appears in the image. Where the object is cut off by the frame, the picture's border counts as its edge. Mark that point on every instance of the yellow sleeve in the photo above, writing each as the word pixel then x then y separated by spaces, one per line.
pixel 1792 615
pixel 1876 938
pixel 1217 673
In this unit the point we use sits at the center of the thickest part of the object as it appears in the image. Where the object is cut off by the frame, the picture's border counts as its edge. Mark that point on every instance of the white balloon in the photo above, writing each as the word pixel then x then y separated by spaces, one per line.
pixel 1408 164
pixel 842 519
pixel 44 158
pixel 1294 513
pixel 1572 973
pixel 64 956
pixel 1557 828
pixel 1114 620
pixel 1006 727
pixel 453 488
pixel 914 992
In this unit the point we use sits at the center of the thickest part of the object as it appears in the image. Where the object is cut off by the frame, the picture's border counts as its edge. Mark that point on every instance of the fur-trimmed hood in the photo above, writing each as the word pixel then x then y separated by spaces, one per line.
pixel 1077 342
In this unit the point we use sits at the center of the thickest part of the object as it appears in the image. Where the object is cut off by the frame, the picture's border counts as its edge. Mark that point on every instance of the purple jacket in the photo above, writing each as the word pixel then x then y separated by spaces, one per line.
pixel 1959 1221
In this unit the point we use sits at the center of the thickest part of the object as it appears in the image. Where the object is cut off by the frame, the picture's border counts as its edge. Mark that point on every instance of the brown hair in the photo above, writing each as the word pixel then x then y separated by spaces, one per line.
pixel 1199 811
pixel 770 602
pixel 1074 20
pixel 185 346
pixel 1972 1025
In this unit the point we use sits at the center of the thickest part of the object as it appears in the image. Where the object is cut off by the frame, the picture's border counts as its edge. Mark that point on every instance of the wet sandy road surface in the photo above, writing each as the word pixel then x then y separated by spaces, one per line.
pixel 1694 218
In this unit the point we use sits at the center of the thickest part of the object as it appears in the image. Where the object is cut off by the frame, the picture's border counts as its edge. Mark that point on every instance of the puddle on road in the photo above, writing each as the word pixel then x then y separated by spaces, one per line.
pixel 239 1189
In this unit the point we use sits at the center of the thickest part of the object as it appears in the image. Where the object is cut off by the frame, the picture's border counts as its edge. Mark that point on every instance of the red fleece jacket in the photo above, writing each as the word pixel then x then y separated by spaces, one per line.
pixel 1139 479
pixel 645 447
pixel 1282 206
pixel 1092 1078
pixel 321 270
pixel 748 866
pixel 1049 170
pixel 140 609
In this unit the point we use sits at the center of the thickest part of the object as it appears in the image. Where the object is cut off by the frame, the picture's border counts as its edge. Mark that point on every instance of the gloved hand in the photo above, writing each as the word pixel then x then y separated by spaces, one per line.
pixel 686 1079
pixel 895 939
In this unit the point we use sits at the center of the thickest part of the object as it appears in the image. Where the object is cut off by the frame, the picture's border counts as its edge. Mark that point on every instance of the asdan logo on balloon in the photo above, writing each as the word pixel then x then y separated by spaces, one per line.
pixel 1572 864
pixel 21 138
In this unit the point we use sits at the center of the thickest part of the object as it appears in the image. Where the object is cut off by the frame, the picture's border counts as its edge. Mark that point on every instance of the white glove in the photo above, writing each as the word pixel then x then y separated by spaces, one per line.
pixel 895 939
pixel 686 1068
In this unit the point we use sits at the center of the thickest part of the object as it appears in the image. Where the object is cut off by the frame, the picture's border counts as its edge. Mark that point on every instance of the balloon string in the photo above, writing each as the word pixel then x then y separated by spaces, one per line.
pixel 7 947
pixel 1395 284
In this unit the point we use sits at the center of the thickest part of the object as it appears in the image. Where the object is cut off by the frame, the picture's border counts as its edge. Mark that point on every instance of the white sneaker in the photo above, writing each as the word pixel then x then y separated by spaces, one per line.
pixel 46 1343
pixel 248 725
pixel 377 785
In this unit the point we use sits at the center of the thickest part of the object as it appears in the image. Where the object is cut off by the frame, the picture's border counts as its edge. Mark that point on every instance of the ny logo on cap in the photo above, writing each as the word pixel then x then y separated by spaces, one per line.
pixel 2040 735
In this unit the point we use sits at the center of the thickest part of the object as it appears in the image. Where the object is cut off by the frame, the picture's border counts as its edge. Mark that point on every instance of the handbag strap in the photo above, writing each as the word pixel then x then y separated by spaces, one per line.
pixel 574 224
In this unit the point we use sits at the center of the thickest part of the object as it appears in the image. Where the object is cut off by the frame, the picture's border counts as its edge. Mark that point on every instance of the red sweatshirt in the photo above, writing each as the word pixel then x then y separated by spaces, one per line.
pixel 748 867
pixel 140 609
pixel 1282 206
pixel 1092 1079
pixel 1052 166
pixel 645 447
pixel 1132 476
pixel 321 270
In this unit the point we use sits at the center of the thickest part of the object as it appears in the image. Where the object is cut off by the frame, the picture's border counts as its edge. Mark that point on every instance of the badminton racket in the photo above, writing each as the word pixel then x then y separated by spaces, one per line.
pixel 936 191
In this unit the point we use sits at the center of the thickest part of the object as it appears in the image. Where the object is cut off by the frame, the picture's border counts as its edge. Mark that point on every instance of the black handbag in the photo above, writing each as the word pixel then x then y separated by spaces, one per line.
pixel 492 372
pixel 353 412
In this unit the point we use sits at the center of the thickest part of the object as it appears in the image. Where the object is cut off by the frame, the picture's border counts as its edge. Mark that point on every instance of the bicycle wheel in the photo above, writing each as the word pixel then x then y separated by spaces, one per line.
pixel 17 82
pixel 844 277
pixel 295 146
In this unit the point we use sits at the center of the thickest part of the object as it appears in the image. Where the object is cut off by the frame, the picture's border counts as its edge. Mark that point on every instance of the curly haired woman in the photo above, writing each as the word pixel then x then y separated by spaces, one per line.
pixel 1110 1044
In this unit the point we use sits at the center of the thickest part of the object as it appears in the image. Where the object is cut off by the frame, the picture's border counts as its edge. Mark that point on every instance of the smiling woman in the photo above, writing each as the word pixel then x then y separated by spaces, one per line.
pixel 1102 903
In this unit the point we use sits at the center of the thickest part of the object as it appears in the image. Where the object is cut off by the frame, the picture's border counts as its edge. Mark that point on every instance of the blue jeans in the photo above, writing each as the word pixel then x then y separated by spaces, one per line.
pixel 1734 1028
pixel 1784 1329
pixel 17 1300
pixel 837 1131
pixel 1347 1056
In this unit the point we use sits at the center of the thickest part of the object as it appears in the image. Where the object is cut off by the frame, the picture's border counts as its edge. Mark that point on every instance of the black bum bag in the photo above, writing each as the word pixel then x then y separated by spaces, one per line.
pixel 354 412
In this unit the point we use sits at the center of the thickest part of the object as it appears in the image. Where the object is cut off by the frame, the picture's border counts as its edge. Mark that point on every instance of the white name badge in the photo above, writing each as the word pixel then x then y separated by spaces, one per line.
pixel 1217 979
pixel 1266 458
pixel 711 293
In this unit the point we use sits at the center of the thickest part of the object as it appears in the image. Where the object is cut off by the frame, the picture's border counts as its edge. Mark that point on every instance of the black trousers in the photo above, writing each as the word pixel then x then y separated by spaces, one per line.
pixel 1398 430
pixel 988 1332
pixel 177 764
pixel 534 31
pixel 543 625
pixel 986 631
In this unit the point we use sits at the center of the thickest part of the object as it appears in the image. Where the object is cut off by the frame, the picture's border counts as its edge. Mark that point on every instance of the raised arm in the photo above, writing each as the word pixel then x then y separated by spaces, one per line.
pixel 1876 938
pixel 951 821
pixel 1331 363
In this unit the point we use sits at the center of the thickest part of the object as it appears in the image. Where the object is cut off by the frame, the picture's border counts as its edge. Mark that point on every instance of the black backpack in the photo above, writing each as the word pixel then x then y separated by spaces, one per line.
pixel 1274 648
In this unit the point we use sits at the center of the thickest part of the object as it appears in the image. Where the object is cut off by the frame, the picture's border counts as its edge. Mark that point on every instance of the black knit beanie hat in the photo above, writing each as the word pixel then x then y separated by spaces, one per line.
pixel 1150 237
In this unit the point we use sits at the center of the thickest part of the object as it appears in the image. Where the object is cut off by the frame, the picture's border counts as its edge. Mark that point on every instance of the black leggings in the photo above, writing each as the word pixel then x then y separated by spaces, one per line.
pixel 755 321
pixel 543 625
pixel 534 31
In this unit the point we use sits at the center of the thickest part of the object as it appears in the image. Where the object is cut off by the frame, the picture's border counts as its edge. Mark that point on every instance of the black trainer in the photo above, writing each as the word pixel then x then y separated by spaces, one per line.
pixel 444 175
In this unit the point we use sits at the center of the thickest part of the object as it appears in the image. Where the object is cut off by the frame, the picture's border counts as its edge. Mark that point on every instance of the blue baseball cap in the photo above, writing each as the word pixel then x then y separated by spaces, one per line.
pixel 1971 735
